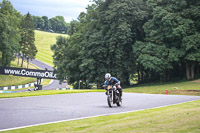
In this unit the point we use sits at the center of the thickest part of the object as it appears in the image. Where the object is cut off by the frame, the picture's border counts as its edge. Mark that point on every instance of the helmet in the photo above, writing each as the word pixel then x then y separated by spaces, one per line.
pixel 107 76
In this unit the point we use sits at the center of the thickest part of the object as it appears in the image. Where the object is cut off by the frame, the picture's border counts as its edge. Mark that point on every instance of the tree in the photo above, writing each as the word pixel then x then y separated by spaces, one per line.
pixel 68 55
pixel 59 56
pixel 119 26
pixel 191 46
pixel 47 24
pixel 58 24
pixel 93 50
pixel 92 66
pixel 9 29
pixel 55 24
pixel 72 28
pixel 174 26
pixel 191 40
pixel 27 42
pixel 101 41
pixel 156 39
pixel 39 22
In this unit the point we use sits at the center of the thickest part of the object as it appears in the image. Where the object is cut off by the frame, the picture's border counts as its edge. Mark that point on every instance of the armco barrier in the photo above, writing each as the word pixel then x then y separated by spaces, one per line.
pixel 18 86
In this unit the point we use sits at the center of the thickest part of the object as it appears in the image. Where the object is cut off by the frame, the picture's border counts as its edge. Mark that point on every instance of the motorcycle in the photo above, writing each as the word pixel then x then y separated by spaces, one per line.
pixel 113 96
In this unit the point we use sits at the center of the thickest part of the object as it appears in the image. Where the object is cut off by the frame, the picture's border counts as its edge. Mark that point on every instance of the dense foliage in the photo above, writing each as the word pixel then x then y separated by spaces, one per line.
pixel 144 39
pixel 27 43
pixel 16 34
pixel 9 32
pixel 172 41
pixel 55 24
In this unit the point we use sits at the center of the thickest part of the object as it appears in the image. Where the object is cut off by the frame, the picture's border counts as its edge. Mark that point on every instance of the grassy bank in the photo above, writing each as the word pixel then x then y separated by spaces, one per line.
pixel 182 118
pixel 43 42
pixel 183 88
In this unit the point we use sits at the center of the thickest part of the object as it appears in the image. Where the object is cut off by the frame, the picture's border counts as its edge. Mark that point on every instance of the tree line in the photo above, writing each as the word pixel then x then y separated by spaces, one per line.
pixel 147 40
pixel 16 35
pixel 55 24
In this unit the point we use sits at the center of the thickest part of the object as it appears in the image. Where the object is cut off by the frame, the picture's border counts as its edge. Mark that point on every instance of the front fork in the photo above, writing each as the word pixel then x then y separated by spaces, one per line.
pixel 113 95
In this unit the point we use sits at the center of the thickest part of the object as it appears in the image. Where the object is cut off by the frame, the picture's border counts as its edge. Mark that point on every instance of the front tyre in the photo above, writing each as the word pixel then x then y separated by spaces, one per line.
pixel 110 101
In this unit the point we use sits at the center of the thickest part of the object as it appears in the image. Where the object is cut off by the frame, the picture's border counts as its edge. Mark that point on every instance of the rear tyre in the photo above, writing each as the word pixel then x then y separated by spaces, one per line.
pixel 119 101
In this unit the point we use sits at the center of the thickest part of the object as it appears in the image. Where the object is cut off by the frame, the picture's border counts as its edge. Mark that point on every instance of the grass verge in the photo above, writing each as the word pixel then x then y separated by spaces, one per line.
pixel 182 88
pixel 44 92
pixel 181 118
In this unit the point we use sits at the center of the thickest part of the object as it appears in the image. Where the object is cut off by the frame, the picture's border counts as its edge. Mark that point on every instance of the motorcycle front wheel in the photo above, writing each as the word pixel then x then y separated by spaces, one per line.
pixel 110 101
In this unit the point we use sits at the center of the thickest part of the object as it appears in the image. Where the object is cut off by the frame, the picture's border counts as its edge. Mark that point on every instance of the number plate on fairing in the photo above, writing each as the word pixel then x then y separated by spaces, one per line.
pixel 109 87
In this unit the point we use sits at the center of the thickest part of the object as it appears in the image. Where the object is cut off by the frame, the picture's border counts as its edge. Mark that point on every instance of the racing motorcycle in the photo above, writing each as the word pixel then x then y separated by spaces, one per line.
pixel 113 96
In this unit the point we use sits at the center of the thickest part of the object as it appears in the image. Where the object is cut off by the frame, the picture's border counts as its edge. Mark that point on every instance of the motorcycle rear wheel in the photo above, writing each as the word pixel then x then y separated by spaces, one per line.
pixel 119 102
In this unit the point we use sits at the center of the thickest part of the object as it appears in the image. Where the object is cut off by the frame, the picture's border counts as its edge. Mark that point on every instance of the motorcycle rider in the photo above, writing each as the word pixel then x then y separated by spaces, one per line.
pixel 112 81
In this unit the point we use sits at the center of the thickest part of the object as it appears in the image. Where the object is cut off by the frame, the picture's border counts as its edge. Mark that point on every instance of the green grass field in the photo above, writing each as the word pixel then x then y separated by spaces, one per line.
pixel 43 42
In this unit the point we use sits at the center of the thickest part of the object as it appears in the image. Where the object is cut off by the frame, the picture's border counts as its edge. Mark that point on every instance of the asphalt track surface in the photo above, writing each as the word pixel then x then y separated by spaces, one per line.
pixel 30 111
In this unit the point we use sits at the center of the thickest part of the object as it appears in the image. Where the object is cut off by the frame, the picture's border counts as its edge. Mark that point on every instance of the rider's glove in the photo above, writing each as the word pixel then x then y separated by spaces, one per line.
pixel 105 87
pixel 117 84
